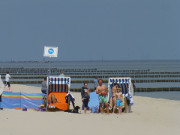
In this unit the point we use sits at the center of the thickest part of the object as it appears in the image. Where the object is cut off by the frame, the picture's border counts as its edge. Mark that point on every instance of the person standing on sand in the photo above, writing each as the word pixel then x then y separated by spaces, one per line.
pixel 86 100
pixel 134 87
pixel 44 86
pixel 119 100
pixel 84 89
pixel 102 91
pixel 95 83
pixel 7 80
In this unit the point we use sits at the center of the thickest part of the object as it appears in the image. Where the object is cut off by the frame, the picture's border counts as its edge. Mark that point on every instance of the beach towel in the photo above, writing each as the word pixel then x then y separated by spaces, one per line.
pixel 94 102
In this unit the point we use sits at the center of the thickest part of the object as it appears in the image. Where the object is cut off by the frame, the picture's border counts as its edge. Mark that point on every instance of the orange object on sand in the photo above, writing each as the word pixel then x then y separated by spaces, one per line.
pixel 60 96
pixel 18 108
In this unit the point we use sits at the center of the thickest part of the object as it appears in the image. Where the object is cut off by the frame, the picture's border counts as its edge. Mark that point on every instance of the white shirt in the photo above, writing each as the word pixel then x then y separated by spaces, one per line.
pixel 7 77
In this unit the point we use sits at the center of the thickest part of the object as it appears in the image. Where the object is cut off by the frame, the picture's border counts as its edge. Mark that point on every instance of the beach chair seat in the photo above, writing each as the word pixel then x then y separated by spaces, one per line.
pixel 60 96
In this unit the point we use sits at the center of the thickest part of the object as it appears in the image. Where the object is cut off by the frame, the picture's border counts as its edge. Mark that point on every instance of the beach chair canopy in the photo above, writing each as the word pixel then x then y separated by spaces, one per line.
pixel 59 84
pixel 124 83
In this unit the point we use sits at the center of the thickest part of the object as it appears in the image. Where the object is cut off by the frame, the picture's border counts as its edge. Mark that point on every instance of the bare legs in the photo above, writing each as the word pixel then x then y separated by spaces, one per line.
pixel 85 110
pixel 52 100
pixel 107 108
pixel 119 109
pixel 114 104
pixel 101 108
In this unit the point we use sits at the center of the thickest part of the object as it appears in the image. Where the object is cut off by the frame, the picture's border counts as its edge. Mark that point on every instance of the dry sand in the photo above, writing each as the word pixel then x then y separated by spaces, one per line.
pixel 149 116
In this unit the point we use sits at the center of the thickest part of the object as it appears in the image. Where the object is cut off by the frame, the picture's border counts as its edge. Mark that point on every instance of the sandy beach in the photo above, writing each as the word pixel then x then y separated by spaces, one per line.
pixel 149 116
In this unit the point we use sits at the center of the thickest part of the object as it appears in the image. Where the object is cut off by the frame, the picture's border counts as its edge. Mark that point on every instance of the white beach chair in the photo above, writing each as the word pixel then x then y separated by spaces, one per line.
pixel 127 89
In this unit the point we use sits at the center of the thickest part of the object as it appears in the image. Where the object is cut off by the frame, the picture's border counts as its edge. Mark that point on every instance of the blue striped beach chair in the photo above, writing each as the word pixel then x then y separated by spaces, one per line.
pixel 59 87
pixel 123 83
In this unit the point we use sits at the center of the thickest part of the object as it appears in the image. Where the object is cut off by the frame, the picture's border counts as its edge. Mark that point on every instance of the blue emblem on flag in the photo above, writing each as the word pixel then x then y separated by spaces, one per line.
pixel 51 51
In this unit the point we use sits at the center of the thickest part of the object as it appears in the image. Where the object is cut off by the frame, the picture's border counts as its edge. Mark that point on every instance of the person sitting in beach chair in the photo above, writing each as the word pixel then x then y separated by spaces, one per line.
pixel 52 100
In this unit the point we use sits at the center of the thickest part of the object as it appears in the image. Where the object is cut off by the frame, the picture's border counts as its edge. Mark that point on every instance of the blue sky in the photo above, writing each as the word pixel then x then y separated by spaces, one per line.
pixel 90 29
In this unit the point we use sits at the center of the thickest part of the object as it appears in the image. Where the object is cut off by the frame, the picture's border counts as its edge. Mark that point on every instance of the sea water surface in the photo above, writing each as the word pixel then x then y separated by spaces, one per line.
pixel 151 65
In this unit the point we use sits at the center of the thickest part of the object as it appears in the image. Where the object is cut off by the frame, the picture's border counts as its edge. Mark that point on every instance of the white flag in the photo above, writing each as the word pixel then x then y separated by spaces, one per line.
pixel 50 51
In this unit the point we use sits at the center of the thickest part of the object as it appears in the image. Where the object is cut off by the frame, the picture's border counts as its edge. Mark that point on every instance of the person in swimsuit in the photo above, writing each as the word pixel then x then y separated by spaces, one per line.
pixel 119 100
pixel 102 91
pixel 52 100
pixel 114 91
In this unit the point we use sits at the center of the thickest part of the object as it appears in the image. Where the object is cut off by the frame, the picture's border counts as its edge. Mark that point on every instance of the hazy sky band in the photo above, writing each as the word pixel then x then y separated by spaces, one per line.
pixel 90 29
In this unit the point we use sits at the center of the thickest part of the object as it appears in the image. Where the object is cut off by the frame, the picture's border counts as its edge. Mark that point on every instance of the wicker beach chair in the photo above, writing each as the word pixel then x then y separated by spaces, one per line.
pixel 126 85
pixel 58 87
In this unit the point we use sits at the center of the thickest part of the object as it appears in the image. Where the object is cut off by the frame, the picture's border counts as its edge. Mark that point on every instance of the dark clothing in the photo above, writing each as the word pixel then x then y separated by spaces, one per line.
pixel 85 104
pixel 95 84
pixel 83 91
pixel 134 87
pixel 70 99
pixel 86 99
pixel 7 83
pixel 44 87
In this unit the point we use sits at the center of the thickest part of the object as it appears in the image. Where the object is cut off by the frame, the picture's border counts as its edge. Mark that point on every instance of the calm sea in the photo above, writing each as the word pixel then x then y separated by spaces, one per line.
pixel 153 65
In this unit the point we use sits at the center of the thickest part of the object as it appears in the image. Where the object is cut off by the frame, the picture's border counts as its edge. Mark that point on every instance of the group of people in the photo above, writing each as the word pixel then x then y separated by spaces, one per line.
pixel 102 91
pixel 116 101
pixel 117 98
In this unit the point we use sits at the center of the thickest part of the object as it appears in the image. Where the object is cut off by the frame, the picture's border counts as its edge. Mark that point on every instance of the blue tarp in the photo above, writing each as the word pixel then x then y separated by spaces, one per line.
pixel 13 100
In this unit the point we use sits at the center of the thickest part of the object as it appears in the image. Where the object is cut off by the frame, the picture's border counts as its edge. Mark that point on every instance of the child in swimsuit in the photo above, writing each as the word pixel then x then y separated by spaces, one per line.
pixel 119 100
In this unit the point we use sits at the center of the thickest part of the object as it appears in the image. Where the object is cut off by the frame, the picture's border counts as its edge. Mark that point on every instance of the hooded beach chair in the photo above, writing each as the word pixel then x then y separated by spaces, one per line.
pixel 59 87
pixel 127 91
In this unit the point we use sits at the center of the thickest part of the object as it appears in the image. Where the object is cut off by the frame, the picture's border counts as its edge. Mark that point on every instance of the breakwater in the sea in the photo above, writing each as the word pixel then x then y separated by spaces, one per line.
pixel 80 75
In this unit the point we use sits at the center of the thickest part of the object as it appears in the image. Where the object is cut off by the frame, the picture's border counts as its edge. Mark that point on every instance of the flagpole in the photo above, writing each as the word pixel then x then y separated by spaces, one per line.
pixel 49 66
